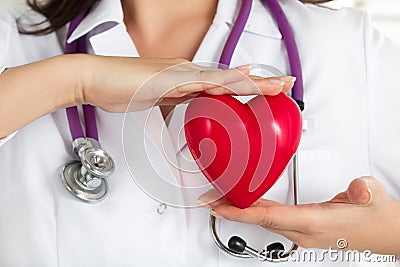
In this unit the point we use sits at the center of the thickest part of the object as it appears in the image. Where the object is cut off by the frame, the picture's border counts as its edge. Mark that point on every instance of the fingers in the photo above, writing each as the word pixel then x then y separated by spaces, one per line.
pixel 361 191
pixel 213 198
pixel 183 81
pixel 366 191
pixel 231 81
pixel 358 192
pixel 266 213
pixel 265 85
pixel 207 78
pixel 266 202
pixel 281 217
pixel 255 86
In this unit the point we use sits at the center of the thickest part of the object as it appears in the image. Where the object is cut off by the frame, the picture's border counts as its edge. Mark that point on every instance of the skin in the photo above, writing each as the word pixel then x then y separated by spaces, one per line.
pixel 364 215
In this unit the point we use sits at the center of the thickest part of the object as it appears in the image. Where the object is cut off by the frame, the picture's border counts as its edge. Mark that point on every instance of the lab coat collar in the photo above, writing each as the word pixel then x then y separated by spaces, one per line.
pixel 260 21
pixel 104 12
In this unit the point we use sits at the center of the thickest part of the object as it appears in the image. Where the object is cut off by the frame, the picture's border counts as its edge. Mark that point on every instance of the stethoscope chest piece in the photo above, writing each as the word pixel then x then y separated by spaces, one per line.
pixel 86 179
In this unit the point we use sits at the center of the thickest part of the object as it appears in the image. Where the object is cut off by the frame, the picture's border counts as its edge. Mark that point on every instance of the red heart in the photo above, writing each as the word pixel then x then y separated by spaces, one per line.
pixel 242 149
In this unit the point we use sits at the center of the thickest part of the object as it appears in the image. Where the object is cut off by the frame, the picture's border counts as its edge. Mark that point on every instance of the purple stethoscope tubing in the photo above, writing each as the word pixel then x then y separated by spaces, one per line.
pixel 79 46
pixel 85 178
pixel 287 36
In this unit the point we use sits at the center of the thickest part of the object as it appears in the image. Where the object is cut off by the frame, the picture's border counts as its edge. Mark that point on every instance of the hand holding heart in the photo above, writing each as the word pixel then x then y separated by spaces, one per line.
pixel 364 215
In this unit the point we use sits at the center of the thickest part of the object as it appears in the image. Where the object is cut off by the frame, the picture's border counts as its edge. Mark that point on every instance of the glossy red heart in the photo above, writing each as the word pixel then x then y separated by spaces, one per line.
pixel 242 149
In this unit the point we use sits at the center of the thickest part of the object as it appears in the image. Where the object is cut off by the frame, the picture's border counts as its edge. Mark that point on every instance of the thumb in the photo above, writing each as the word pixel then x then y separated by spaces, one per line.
pixel 364 191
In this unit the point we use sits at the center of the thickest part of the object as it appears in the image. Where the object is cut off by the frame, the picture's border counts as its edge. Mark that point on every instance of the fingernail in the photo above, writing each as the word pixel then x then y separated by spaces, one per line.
pixel 369 191
pixel 289 79
pixel 201 203
pixel 216 215
pixel 277 82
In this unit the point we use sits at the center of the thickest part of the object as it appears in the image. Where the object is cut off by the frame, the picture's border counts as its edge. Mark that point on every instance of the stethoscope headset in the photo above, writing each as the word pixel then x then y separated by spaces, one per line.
pixel 86 178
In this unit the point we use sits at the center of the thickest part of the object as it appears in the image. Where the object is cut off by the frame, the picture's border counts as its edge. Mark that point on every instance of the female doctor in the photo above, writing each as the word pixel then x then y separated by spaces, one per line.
pixel 351 131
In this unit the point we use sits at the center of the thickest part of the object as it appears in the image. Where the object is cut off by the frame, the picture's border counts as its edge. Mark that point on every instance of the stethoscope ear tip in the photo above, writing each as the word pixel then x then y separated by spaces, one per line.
pixel 275 249
pixel 237 244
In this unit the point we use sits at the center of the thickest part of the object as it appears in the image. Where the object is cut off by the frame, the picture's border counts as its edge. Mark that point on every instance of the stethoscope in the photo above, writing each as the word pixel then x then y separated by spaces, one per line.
pixel 86 178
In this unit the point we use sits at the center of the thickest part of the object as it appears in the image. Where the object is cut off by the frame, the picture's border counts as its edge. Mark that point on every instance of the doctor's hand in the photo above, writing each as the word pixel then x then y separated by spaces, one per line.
pixel 111 82
pixel 364 215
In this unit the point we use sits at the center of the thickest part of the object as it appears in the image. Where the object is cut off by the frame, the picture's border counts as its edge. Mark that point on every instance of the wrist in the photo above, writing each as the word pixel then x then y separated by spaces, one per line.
pixel 77 72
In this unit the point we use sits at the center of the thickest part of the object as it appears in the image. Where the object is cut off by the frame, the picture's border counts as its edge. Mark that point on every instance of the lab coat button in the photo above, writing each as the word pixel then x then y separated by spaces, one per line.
pixel 162 208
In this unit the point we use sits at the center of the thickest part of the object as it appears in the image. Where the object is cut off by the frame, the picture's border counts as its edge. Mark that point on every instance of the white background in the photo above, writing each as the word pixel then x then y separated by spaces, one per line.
pixel 385 13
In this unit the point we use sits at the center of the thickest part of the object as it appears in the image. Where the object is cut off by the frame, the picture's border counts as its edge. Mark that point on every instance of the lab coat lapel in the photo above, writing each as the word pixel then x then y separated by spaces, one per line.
pixel 117 42
pixel 152 122
pixel 105 12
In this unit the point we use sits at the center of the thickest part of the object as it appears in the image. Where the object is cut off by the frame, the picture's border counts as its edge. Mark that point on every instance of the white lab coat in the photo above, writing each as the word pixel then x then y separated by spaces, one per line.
pixel 351 95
